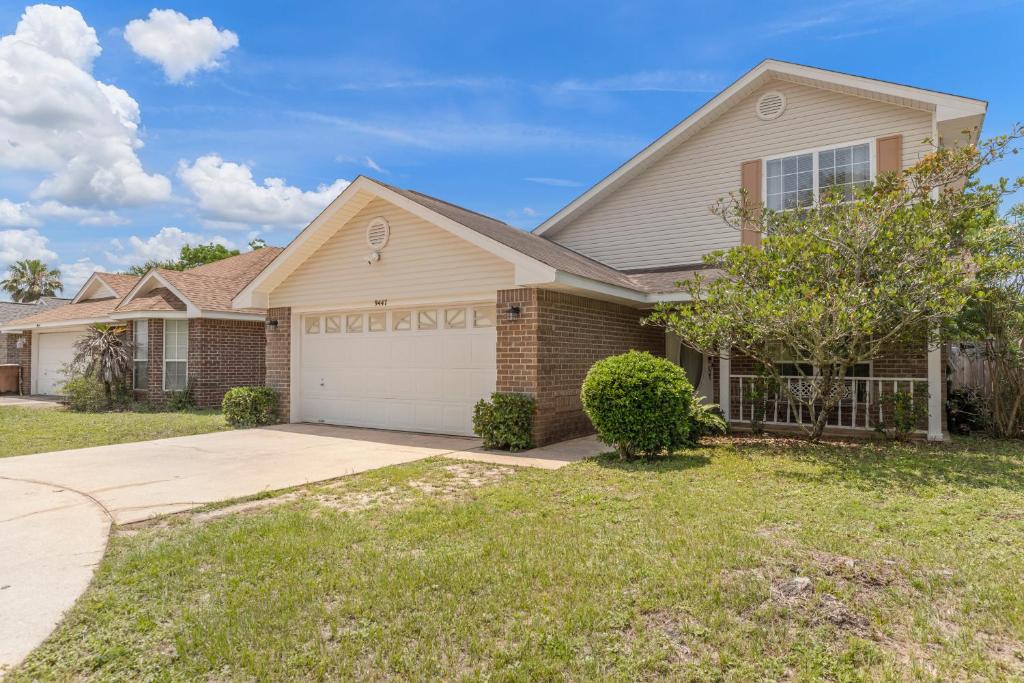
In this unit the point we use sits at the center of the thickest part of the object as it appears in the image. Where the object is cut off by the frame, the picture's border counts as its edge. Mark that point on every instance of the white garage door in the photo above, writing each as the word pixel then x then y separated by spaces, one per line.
pixel 56 349
pixel 420 369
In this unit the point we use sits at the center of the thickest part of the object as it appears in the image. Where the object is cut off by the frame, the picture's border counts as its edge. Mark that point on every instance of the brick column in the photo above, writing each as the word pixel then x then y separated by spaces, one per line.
pixel 155 382
pixel 279 359
pixel 25 361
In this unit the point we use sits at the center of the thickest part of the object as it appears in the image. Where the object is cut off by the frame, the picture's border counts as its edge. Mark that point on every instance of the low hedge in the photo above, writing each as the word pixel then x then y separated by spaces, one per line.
pixel 249 406
pixel 505 422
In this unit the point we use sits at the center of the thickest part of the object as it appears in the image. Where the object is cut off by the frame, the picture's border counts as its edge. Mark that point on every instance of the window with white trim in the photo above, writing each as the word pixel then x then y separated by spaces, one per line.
pixel 798 180
pixel 175 355
pixel 140 368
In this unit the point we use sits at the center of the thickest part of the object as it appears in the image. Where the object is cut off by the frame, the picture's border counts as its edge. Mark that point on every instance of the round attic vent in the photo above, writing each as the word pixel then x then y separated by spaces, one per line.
pixel 377 233
pixel 770 106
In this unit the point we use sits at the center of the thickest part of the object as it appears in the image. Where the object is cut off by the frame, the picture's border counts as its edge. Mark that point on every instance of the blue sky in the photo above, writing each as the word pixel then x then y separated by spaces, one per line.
pixel 511 109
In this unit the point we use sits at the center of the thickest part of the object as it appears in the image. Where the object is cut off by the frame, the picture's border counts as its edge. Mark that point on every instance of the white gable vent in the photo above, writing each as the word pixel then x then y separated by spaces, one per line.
pixel 771 105
pixel 377 233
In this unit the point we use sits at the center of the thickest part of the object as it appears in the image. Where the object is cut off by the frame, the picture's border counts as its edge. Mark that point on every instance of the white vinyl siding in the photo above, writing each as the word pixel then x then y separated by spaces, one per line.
pixel 661 216
pixel 175 355
pixel 141 365
pixel 421 262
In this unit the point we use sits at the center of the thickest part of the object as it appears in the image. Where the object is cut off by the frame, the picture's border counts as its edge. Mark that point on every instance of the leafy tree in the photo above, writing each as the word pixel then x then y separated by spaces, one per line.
pixel 30 279
pixel 106 353
pixel 257 243
pixel 188 257
pixel 835 283
pixel 995 321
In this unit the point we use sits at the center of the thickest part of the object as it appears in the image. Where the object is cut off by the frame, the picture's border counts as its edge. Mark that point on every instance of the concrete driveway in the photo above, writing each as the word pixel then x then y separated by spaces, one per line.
pixel 56 508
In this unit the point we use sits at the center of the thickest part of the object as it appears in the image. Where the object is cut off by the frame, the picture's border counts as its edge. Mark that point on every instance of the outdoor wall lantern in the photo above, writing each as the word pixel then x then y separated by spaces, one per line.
pixel 272 324
pixel 512 313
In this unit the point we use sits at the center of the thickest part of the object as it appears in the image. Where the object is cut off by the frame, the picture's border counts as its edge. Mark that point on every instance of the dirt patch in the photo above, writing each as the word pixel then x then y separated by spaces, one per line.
pixel 451 482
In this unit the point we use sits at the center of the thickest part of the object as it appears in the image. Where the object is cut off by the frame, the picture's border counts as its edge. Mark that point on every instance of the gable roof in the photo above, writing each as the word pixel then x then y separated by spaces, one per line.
pixel 537 260
pixel 956 111
pixel 209 287
pixel 201 290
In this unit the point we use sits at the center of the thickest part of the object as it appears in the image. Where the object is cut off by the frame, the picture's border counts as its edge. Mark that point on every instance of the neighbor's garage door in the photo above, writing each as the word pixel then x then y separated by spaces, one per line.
pixel 56 349
pixel 420 369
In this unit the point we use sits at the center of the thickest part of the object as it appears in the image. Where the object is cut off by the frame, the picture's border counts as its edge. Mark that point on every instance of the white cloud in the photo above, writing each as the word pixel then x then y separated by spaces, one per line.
pixel 74 275
pixel 55 117
pixel 23 244
pixel 227 193
pixel 555 182
pixel 181 46
pixel 61 32
pixel 52 209
pixel 164 245
pixel 374 166
pixel 16 215
pixel 645 81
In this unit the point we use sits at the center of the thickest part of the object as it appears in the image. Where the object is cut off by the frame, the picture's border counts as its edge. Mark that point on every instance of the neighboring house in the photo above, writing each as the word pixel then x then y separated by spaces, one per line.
pixel 393 309
pixel 10 310
pixel 185 331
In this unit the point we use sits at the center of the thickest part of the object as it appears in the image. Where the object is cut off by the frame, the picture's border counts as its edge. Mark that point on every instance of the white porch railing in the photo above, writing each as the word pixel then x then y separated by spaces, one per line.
pixel 860 405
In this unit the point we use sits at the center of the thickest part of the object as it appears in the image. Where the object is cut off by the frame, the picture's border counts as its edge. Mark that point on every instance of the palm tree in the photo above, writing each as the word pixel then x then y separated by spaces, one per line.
pixel 105 353
pixel 31 279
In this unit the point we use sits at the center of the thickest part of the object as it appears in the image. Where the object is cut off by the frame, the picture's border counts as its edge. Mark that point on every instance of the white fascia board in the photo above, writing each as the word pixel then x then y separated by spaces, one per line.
pixel 95 277
pixel 946 106
pixel 55 324
pixel 231 315
pixel 158 315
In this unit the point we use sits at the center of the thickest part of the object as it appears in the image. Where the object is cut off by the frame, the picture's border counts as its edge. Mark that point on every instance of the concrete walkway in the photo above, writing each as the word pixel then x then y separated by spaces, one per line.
pixel 56 508
pixel 30 401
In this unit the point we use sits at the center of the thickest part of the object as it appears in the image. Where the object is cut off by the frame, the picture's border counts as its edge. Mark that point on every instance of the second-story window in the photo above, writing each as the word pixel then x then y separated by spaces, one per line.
pixel 798 180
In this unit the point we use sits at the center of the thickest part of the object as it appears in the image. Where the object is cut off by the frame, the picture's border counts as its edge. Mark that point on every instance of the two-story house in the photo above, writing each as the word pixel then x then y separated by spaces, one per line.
pixel 397 310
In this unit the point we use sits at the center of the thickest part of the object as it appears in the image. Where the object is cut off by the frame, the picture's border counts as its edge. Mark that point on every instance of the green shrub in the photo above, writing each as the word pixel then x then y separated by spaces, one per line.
pixel 640 404
pixel 901 414
pixel 967 411
pixel 708 420
pixel 505 422
pixel 249 406
pixel 85 394
pixel 181 400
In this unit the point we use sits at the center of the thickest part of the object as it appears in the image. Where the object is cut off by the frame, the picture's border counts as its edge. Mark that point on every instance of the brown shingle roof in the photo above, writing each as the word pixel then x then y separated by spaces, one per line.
pixel 210 287
pixel 663 281
pixel 120 283
pixel 94 309
pixel 13 310
pixel 159 299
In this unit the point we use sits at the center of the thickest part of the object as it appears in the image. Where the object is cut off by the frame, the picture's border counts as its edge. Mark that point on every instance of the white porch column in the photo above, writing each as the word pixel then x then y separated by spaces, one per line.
pixel 723 385
pixel 935 393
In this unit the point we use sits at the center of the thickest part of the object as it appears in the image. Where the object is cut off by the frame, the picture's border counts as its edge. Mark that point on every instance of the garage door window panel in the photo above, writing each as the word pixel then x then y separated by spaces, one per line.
pixel 332 324
pixel 455 318
pixel 175 355
pixel 426 320
pixel 401 321
pixel 354 323
pixel 378 322
pixel 483 316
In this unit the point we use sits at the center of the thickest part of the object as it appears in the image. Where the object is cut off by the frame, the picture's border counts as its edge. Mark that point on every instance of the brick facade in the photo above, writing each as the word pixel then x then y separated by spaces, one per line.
pixel 221 354
pixel 547 351
pixel 25 359
pixel 278 359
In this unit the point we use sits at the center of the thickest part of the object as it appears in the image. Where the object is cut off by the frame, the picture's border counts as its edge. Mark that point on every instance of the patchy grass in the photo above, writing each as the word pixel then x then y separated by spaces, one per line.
pixel 38 430
pixel 744 560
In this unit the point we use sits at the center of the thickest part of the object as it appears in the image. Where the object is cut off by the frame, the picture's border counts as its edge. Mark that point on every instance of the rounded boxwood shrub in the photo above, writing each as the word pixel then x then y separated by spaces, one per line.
pixel 249 406
pixel 505 422
pixel 640 404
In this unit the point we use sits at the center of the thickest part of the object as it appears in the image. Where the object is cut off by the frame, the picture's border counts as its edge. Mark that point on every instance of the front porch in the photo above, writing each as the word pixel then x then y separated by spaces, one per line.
pixel 865 402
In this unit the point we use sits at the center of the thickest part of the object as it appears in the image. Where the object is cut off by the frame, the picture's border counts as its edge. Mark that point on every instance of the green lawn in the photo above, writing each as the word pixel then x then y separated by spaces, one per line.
pixel 37 430
pixel 684 568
